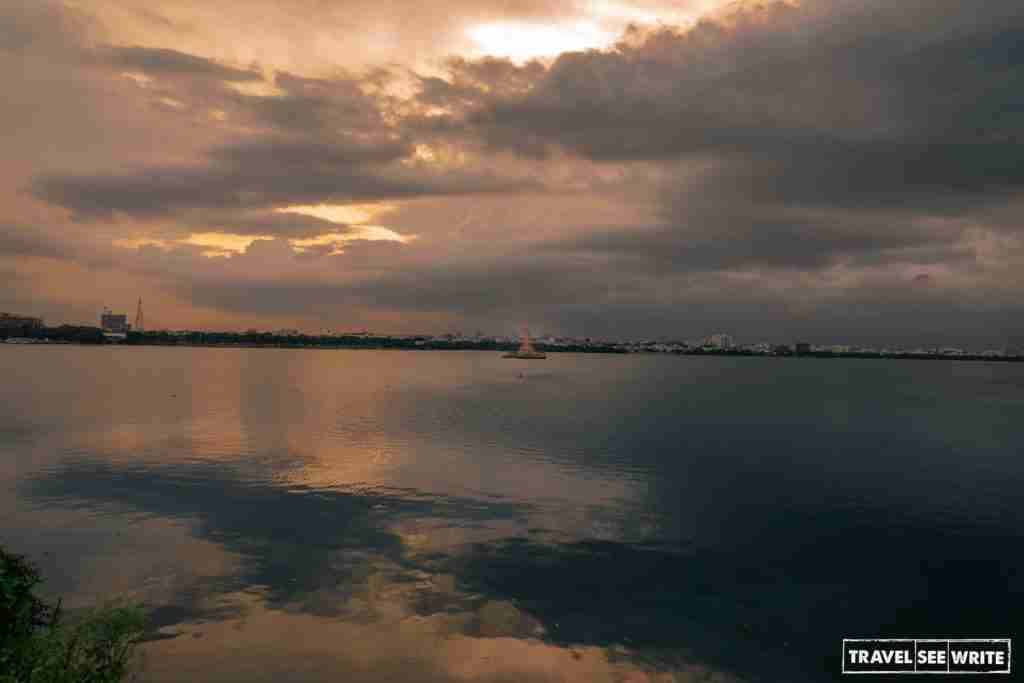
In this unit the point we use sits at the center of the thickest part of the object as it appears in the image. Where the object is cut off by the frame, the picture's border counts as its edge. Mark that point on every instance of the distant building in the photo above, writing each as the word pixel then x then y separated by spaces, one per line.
pixel 114 323
pixel 719 341
pixel 803 347
pixel 9 321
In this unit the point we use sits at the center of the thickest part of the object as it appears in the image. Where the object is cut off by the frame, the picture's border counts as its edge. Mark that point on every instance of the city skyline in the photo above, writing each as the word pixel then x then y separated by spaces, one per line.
pixel 115 328
pixel 828 170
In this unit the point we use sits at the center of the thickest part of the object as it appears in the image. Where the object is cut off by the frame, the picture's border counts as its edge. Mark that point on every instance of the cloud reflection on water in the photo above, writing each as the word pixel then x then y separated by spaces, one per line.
pixel 607 518
pixel 322 584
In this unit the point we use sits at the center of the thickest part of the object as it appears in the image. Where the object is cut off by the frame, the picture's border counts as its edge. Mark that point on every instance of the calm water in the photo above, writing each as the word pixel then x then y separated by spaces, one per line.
pixel 447 516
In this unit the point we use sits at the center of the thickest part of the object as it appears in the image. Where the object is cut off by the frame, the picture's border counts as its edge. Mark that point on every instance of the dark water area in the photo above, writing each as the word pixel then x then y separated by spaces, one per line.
pixel 454 516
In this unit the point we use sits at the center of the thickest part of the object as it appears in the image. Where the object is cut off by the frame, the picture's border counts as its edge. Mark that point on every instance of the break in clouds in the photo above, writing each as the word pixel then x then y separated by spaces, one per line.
pixel 836 170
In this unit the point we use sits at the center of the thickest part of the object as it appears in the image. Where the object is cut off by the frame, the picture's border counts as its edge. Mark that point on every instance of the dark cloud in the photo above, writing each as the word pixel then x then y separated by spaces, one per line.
pixel 261 174
pixel 514 285
pixel 775 162
pixel 20 241
pixel 791 141
pixel 508 287
pixel 833 104
pixel 42 26
pixel 733 240
pixel 305 155
pixel 473 82
pixel 163 62
pixel 938 176
pixel 607 296
pixel 319 140
pixel 318 106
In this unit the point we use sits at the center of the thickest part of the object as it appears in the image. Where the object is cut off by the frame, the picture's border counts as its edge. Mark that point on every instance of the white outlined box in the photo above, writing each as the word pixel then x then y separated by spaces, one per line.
pixel 959 656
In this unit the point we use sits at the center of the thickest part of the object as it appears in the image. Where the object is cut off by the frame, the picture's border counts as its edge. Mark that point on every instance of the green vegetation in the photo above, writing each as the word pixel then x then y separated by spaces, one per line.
pixel 38 645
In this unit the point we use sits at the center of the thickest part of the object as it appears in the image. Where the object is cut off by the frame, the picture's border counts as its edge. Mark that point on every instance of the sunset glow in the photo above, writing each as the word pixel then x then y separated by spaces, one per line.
pixel 655 164
pixel 521 42
pixel 345 214
pixel 481 341
pixel 337 240
pixel 220 244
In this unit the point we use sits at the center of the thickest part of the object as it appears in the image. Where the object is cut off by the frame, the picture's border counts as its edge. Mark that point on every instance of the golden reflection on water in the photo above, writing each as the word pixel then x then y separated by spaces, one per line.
pixel 398 645
pixel 347 423
pixel 155 564
pixel 376 633
pixel 294 423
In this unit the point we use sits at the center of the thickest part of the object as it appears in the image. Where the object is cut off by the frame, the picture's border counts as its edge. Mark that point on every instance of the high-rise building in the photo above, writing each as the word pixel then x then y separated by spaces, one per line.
pixel 720 341
pixel 115 323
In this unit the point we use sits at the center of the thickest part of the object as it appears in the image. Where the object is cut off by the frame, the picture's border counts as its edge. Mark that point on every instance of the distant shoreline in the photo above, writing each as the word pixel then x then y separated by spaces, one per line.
pixel 393 344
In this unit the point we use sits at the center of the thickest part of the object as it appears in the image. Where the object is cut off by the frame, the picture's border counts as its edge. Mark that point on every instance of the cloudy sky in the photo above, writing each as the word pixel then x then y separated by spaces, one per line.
pixel 833 170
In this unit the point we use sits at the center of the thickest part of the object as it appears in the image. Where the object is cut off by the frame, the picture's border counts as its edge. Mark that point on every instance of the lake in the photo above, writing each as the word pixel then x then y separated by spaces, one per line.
pixel 324 515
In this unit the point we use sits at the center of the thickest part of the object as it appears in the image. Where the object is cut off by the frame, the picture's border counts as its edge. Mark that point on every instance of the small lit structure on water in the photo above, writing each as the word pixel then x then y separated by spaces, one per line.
pixel 526 351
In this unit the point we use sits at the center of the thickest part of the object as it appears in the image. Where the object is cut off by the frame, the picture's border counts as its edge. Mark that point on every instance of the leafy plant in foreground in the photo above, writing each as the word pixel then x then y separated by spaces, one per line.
pixel 38 645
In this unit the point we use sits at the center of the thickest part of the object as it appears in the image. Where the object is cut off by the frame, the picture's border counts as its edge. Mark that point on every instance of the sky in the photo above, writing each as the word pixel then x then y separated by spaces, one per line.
pixel 825 170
